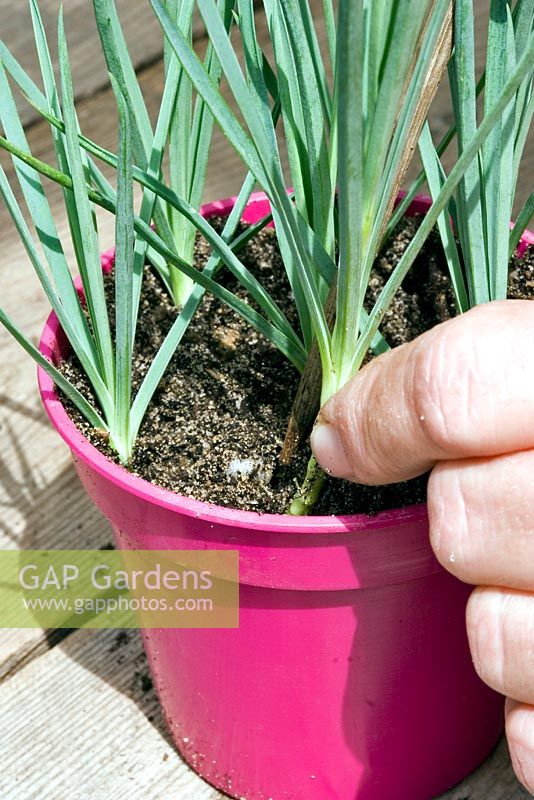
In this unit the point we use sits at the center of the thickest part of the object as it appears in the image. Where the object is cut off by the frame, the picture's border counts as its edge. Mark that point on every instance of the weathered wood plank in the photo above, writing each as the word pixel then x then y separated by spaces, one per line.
pixel 141 29
pixel 83 722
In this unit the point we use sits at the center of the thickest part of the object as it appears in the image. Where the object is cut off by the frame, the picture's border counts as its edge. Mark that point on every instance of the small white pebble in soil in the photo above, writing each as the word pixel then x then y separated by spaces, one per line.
pixel 248 469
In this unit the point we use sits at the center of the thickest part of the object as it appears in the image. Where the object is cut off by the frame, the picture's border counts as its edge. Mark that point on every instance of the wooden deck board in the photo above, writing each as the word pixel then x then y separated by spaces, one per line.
pixel 83 723
pixel 96 736
pixel 141 30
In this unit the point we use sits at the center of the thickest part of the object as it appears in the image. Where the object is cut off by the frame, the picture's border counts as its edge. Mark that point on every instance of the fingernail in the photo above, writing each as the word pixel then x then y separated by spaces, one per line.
pixel 329 452
pixel 523 762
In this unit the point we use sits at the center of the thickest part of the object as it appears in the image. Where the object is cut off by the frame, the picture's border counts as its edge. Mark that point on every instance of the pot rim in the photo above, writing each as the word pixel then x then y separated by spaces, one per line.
pixel 51 346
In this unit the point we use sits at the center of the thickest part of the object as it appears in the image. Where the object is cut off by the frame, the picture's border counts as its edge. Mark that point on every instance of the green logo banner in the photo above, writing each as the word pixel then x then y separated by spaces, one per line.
pixel 119 589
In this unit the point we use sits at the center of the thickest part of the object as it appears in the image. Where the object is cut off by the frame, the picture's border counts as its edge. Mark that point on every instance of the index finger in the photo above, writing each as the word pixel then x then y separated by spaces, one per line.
pixel 463 389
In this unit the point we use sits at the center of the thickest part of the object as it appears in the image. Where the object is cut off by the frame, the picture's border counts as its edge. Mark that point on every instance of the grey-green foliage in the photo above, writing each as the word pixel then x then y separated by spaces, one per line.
pixel 183 132
pixel 481 208
pixel 346 144
pixel 346 121
pixel 106 356
pixel 347 134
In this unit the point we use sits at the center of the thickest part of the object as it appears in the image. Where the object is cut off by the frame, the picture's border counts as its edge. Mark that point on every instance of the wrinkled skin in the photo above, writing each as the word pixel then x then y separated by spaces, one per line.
pixel 459 401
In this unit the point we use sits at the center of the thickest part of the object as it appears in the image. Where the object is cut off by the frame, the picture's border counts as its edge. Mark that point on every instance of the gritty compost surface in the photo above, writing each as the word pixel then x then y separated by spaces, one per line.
pixel 215 427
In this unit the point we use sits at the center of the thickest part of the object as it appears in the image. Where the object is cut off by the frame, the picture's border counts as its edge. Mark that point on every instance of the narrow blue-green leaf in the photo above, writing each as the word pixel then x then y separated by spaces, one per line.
pixel 416 77
pixel 260 126
pixel 148 202
pixel 379 128
pixel 283 210
pixel 319 64
pixel 40 212
pixel 330 26
pixel 180 167
pixel 430 219
pixel 462 80
pixel 293 118
pixel 522 132
pixel 261 129
pixel 246 278
pixel 90 268
pixel 523 22
pixel 325 265
pixel 96 177
pixel 168 55
pixel 20 76
pixel 416 185
pixel 310 87
pixel 193 131
pixel 257 84
pixel 376 19
pixel 254 67
pixel 349 301
pixel 47 73
pixel 39 102
pixel 209 91
pixel 498 151
pixel 68 323
pixel 91 415
pixel 308 169
pixel 202 122
pixel 124 258
pixel 258 155
pixel 119 64
pixel 436 178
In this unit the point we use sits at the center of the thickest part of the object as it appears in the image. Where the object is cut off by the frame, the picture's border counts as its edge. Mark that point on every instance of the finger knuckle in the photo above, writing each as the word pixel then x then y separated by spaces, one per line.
pixel 486 620
pixel 450 521
pixel 444 381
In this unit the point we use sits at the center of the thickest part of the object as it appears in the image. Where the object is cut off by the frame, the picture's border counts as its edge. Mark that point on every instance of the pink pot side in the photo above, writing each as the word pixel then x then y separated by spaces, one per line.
pixel 350 675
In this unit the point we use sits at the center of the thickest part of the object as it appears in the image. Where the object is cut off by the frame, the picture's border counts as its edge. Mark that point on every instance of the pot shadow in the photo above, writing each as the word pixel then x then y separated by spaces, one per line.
pixel 35 514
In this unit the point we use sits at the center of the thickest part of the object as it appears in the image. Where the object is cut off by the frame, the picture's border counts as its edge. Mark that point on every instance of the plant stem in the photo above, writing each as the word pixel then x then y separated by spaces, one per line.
pixel 307 495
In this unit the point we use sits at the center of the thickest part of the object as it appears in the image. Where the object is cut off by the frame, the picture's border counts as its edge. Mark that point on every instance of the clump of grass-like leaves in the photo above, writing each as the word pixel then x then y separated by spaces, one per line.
pixel 350 118
pixel 183 131
pixel 105 356
pixel 480 210
pixel 347 147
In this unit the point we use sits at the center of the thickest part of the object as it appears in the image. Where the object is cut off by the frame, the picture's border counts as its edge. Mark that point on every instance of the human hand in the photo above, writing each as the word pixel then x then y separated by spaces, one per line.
pixel 459 400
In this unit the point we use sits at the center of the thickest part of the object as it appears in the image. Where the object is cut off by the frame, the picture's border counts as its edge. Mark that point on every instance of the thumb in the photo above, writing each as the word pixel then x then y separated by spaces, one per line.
pixel 463 389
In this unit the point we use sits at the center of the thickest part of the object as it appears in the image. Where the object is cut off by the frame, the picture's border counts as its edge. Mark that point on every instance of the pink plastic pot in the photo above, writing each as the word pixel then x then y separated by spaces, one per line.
pixel 349 677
